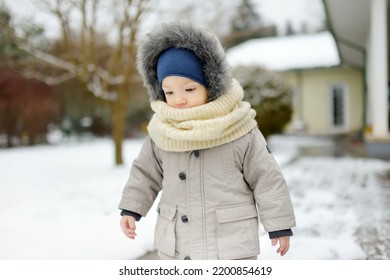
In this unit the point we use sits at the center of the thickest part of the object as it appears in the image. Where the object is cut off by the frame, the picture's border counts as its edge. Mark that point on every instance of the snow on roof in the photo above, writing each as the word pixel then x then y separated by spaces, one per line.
pixel 287 53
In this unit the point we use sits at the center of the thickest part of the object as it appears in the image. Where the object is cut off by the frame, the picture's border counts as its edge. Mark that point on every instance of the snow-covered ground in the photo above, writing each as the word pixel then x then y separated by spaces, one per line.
pixel 60 202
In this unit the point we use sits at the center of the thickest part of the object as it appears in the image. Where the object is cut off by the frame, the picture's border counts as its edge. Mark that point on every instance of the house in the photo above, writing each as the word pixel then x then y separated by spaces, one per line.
pixel 340 77
pixel 328 98
pixel 360 29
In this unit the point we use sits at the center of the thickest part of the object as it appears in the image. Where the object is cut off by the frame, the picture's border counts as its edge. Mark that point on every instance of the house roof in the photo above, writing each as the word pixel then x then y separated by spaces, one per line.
pixel 303 51
pixel 349 21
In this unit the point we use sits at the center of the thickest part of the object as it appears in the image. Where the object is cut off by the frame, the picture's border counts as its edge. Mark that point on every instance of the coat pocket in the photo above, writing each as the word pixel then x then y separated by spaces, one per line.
pixel 164 235
pixel 237 231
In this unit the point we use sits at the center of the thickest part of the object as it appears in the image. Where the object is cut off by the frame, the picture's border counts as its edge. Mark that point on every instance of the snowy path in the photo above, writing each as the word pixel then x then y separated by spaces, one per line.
pixel 341 207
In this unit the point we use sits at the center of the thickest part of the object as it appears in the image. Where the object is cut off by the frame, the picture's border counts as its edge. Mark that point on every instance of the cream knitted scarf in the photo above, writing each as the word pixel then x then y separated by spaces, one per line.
pixel 212 124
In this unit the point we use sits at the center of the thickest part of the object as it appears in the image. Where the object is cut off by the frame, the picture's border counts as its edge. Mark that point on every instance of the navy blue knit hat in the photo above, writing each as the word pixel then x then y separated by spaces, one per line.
pixel 180 62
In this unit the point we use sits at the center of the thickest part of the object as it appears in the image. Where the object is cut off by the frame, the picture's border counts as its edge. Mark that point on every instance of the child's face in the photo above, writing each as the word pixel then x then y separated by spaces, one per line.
pixel 182 92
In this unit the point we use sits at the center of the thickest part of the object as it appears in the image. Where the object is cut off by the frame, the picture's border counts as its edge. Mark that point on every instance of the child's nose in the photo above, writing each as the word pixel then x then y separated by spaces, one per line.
pixel 180 100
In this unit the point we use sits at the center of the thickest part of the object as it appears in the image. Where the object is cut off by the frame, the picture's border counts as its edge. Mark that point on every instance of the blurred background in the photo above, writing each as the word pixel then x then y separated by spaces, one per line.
pixel 73 114
pixel 67 67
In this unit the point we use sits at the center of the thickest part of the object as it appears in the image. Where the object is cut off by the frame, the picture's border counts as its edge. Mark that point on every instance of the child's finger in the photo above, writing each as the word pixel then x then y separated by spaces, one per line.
pixel 274 241
pixel 131 225
pixel 131 235
pixel 124 225
pixel 284 246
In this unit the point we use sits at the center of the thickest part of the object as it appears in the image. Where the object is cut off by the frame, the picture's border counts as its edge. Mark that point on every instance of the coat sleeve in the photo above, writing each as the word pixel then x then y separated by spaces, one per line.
pixel 266 180
pixel 144 182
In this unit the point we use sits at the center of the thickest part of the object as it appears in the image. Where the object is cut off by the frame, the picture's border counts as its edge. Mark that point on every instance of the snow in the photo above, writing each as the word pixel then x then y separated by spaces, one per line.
pixel 287 52
pixel 60 202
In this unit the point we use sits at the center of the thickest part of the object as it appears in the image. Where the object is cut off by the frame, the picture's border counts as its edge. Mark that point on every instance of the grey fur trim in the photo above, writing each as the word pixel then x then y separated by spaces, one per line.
pixel 203 42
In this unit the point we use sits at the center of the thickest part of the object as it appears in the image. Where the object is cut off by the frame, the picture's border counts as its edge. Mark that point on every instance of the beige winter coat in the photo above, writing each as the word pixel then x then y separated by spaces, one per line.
pixel 209 197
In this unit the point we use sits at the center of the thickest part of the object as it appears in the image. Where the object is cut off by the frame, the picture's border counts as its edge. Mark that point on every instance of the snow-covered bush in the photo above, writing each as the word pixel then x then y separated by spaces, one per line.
pixel 269 95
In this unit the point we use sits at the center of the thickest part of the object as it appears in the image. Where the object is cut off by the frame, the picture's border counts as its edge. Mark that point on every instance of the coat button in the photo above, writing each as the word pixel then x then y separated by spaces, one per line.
pixel 184 219
pixel 187 258
pixel 196 153
pixel 182 176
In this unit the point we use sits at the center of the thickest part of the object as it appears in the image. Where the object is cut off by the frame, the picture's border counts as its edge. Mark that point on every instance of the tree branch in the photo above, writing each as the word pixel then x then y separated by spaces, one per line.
pixel 51 81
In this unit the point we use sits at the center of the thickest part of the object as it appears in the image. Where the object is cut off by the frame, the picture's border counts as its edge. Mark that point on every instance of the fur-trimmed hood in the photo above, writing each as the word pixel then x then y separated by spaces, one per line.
pixel 203 42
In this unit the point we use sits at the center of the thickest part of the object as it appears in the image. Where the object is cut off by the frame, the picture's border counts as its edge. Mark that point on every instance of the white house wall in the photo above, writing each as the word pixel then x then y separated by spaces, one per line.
pixel 313 107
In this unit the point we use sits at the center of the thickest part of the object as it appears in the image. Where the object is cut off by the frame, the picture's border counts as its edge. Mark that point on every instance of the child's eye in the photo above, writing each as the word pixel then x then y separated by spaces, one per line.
pixel 168 92
pixel 190 89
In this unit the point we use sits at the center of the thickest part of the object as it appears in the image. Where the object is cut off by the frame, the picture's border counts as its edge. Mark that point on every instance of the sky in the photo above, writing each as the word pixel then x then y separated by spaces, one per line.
pixel 272 11
pixel 295 11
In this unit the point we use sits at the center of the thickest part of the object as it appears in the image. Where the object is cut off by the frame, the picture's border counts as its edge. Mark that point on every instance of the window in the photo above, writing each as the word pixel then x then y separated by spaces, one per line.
pixel 338 106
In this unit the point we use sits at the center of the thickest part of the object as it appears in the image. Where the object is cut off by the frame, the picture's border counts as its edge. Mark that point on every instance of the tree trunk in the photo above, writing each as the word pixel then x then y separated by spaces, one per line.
pixel 118 123
pixel 9 140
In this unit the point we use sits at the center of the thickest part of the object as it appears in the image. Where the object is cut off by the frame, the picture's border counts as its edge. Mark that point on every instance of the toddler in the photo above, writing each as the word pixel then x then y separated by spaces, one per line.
pixel 205 153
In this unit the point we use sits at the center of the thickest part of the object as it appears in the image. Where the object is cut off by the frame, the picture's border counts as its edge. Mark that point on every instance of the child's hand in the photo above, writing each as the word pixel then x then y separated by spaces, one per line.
pixel 128 226
pixel 284 243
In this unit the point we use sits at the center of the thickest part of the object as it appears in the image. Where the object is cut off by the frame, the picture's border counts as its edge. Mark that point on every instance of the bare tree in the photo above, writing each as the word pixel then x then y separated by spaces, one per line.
pixel 107 68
